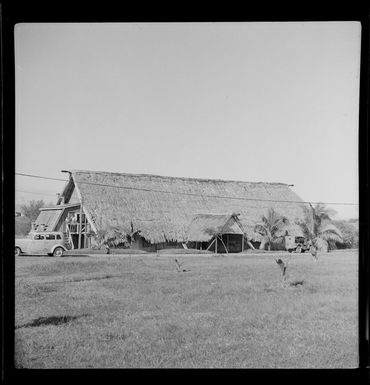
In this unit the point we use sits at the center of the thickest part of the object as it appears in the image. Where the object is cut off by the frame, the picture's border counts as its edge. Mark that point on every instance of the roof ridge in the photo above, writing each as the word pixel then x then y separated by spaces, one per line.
pixel 176 177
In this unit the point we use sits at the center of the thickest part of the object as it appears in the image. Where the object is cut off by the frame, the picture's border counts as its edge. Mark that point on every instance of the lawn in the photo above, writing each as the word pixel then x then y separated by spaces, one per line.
pixel 227 311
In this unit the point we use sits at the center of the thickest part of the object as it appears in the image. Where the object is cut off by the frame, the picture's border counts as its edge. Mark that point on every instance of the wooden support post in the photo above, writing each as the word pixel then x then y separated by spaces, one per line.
pixel 211 244
pixel 242 242
pixel 79 233
pixel 227 251
pixel 227 241
pixel 86 239
pixel 216 243
pixel 70 237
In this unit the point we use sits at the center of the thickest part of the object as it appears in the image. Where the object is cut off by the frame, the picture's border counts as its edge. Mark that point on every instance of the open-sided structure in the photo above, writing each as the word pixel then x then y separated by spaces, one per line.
pixel 219 233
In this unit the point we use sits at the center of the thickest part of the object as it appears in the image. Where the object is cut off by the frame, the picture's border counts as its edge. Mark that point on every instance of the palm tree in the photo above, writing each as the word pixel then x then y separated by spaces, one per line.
pixel 270 228
pixel 110 237
pixel 318 227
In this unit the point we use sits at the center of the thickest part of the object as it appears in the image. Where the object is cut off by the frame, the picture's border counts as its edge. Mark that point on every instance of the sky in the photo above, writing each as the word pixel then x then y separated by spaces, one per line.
pixel 269 102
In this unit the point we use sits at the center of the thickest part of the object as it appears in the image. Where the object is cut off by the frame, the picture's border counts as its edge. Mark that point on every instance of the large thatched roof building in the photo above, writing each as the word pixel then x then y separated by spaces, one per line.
pixel 162 208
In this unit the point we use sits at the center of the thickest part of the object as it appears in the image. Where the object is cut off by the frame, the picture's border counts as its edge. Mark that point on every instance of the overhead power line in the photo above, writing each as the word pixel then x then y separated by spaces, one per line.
pixel 41 177
pixel 36 193
pixel 193 194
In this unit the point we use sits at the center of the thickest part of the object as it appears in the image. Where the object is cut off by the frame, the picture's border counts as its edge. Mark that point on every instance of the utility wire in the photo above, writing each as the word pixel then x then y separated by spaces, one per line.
pixel 41 177
pixel 36 193
pixel 193 194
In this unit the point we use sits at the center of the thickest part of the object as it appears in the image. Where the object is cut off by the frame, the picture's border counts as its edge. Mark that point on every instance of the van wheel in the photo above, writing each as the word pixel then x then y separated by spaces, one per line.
pixel 17 251
pixel 58 252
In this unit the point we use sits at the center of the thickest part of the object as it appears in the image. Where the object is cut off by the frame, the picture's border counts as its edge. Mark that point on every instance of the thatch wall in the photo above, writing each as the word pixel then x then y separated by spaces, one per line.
pixel 163 207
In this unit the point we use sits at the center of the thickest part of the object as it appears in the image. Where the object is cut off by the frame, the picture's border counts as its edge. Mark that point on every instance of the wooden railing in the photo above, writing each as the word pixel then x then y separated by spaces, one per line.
pixel 77 228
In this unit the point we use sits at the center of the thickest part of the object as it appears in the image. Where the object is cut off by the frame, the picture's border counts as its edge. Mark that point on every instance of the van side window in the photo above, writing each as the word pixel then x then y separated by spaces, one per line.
pixel 50 236
pixel 39 236
pixel 58 236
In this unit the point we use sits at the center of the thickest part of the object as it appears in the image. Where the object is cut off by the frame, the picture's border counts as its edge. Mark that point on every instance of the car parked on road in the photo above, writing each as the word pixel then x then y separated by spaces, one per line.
pixel 45 243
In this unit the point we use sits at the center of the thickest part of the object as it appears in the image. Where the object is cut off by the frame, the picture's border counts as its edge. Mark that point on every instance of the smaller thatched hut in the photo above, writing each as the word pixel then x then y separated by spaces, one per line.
pixel 218 233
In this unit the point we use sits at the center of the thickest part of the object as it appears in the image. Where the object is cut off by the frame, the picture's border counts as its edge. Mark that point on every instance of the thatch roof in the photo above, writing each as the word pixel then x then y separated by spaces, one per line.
pixel 49 218
pixel 163 207
pixel 204 227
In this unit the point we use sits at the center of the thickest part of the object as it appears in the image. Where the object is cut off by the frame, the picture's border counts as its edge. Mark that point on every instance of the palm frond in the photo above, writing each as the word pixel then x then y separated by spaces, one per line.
pixel 271 226
pixel 320 244
pixel 280 239
pixel 279 224
pixel 331 235
pixel 324 213
pixel 306 229
pixel 265 221
pixel 260 229
pixel 330 232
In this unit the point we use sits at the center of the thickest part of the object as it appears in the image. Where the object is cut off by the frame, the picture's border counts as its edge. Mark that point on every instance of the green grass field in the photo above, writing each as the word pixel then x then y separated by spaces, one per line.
pixel 227 311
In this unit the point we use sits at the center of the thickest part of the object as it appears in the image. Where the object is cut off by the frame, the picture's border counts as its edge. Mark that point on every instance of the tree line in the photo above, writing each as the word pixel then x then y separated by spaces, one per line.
pixel 30 211
pixel 317 226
